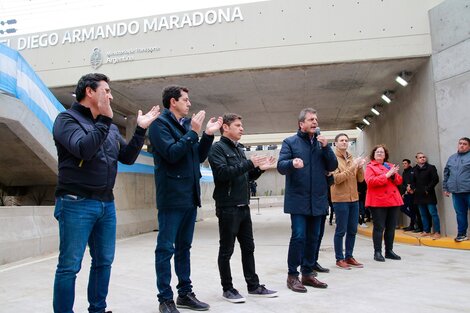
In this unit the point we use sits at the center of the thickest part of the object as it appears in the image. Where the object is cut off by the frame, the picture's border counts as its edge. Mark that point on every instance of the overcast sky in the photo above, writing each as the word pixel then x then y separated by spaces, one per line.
pixel 42 15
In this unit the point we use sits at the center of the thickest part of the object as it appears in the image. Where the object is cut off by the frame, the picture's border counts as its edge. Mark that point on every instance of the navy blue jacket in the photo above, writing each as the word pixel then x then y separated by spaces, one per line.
pixel 88 151
pixel 177 156
pixel 306 188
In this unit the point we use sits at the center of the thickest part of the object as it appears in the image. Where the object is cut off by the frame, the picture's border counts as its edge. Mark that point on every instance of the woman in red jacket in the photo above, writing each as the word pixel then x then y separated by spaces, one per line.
pixel 384 200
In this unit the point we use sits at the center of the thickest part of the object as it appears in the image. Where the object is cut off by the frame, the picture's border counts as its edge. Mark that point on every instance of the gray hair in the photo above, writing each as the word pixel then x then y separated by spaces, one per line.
pixel 304 112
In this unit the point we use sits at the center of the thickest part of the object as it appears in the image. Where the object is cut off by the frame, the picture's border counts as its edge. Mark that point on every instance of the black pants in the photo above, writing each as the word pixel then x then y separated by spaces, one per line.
pixel 235 223
pixel 385 221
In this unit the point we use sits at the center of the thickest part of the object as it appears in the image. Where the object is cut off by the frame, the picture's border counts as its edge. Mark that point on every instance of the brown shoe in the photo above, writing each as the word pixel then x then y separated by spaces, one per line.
pixel 343 265
pixel 310 280
pixel 353 263
pixel 294 284
pixel 436 236
pixel 425 234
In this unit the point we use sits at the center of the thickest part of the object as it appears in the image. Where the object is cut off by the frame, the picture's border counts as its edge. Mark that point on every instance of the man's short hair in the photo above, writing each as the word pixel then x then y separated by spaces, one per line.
pixel 304 112
pixel 170 92
pixel 340 135
pixel 91 80
pixel 466 139
pixel 228 119
pixel 407 161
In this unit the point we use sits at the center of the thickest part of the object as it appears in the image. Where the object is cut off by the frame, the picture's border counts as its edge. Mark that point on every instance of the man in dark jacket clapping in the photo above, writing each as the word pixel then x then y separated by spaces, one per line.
pixel 304 159
pixel 177 155
pixel 232 172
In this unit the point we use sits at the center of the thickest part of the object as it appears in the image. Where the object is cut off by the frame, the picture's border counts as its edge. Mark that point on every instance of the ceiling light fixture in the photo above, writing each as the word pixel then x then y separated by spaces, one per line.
pixel 360 127
pixel 375 109
pixel 366 120
pixel 403 78
pixel 387 96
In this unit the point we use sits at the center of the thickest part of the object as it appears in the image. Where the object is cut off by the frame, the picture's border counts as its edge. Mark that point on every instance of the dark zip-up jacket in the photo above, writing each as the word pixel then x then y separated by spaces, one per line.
pixel 177 155
pixel 425 179
pixel 306 188
pixel 232 172
pixel 88 151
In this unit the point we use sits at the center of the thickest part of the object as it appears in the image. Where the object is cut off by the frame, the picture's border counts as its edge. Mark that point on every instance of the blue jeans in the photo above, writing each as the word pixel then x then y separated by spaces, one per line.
pixel 175 236
pixel 303 243
pixel 347 215
pixel 432 209
pixel 83 221
pixel 461 206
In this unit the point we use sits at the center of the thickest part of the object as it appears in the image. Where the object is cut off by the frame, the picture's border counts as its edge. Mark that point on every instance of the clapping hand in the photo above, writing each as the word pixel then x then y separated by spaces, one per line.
pixel 144 121
pixel 197 120
pixel 213 125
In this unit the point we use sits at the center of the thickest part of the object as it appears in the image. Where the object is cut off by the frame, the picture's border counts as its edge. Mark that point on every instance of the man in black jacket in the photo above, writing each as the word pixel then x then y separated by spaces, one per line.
pixel 232 172
pixel 89 147
pixel 424 182
pixel 409 208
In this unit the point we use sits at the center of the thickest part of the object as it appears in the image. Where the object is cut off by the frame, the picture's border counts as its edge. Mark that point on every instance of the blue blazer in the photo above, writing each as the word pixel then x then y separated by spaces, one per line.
pixel 177 154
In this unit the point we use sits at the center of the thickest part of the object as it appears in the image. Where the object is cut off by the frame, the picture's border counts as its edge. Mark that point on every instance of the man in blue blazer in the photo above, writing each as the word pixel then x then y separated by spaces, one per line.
pixel 177 154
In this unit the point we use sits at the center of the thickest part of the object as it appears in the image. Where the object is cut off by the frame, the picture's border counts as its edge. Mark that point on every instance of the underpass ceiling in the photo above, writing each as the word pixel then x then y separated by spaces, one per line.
pixel 19 165
pixel 270 99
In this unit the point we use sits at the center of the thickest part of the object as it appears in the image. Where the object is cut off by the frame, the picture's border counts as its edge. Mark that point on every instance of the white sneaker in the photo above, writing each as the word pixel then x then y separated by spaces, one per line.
pixel 363 225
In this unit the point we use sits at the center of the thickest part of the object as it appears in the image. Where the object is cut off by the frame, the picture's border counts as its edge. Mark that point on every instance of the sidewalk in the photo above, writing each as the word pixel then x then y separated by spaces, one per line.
pixel 425 280
pixel 416 239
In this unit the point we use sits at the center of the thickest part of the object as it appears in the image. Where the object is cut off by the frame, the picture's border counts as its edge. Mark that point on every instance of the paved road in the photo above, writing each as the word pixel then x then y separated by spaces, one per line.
pixel 426 280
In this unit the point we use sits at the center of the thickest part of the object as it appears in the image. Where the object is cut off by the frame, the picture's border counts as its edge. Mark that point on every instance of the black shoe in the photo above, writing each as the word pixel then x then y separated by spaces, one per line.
pixel 379 257
pixel 318 268
pixel 409 228
pixel 168 307
pixel 189 301
pixel 389 254
pixel 418 230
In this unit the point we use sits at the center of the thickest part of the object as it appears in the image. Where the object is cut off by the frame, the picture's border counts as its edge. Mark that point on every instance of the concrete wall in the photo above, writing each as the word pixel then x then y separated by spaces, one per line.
pixel 432 113
pixel 408 125
pixel 450 25
pixel 29 231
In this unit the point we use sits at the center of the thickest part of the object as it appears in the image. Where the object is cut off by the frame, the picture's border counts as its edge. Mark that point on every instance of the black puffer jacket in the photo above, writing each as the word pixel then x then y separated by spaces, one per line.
pixel 231 171
pixel 424 181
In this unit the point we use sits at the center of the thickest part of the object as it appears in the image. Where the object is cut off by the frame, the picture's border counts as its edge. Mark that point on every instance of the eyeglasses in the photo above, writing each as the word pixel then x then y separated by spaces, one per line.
pixel 422 157
pixel 379 152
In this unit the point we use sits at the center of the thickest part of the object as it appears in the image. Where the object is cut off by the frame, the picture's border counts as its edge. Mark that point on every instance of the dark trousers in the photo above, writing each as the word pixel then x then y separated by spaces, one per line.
pixel 320 237
pixel 409 208
pixel 385 221
pixel 235 223
pixel 303 243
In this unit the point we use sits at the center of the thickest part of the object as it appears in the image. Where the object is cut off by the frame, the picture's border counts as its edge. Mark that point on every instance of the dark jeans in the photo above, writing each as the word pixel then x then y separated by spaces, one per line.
pixel 303 243
pixel 235 223
pixel 347 214
pixel 409 208
pixel 461 206
pixel 320 237
pixel 175 236
pixel 385 221
pixel 83 221
pixel 430 208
